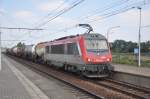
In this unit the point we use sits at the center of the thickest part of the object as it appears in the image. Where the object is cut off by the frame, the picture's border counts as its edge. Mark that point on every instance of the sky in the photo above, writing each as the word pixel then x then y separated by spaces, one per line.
pixel 31 13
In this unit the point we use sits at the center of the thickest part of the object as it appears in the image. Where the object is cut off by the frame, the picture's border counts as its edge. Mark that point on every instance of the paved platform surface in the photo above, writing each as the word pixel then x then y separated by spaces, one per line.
pixel 43 87
pixel 10 86
pixel 143 71
pixel 14 85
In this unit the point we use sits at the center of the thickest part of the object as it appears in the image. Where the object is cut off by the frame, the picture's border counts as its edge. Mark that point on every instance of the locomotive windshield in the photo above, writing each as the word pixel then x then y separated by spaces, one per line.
pixel 93 45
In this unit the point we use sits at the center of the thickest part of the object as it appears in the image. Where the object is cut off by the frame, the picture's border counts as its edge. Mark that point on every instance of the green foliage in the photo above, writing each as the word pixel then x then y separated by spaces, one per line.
pixel 130 59
pixel 21 45
pixel 145 46
pixel 123 53
pixel 122 46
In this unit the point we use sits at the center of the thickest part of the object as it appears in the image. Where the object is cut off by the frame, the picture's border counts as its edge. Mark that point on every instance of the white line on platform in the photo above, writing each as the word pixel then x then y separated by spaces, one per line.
pixel 33 90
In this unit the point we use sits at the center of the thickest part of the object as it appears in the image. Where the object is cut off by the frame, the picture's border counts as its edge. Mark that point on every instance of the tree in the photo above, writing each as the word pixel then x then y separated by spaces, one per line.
pixel 21 45
pixel 122 46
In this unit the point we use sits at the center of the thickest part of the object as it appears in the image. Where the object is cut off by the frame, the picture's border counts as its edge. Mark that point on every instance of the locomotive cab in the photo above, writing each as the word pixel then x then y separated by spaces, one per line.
pixel 97 55
pixel 97 51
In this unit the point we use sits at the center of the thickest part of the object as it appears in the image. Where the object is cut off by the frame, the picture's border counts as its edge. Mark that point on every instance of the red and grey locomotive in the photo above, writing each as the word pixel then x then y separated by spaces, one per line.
pixel 87 54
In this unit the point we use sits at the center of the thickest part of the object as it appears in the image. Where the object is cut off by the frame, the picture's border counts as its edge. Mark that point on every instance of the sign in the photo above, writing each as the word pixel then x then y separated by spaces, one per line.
pixel 136 50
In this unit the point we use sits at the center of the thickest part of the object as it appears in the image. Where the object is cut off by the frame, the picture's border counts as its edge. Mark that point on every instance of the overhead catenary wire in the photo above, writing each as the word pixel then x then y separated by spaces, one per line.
pixel 74 4
pixel 105 15
pixel 54 10
pixel 145 26
pixel 13 40
pixel 122 10
pixel 112 13
pixel 14 28
pixel 116 4
pixel 95 20
pixel 107 8
pixel 109 14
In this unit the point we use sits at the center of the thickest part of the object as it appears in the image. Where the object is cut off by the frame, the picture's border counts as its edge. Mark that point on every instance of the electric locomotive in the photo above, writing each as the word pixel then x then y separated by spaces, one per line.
pixel 87 54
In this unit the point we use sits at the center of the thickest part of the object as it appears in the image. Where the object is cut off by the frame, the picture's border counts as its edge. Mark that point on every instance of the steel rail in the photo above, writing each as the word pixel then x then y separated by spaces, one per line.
pixel 128 89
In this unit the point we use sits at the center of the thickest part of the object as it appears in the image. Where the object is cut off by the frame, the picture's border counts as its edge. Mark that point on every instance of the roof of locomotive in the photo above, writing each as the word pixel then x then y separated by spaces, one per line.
pixel 93 36
pixel 85 35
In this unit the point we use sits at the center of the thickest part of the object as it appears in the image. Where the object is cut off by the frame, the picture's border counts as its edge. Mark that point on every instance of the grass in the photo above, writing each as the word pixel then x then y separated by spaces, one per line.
pixel 130 59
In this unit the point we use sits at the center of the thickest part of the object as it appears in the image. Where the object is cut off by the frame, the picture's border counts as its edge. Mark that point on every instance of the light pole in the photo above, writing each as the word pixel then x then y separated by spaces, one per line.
pixel 0 50
pixel 0 53
pixel 139 38
pixel 109 29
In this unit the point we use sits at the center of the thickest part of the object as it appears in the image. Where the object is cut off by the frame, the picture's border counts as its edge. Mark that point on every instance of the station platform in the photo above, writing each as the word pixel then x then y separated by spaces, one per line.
pixel 17 81
pixel 135 70
pixel 14 85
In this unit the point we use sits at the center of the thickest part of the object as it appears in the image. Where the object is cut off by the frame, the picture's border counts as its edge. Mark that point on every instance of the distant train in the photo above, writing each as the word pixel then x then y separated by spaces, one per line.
pixel 86 54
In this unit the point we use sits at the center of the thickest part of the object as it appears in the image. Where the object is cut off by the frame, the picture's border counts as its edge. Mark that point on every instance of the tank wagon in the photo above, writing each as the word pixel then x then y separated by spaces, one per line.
pixel 29 51
pixel 39 52
pixel 17 51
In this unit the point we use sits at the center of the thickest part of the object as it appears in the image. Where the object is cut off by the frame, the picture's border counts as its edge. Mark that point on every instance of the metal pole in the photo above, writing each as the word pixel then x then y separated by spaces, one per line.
pixel 108 31
pixel 0 53
pixel 139 38
pixel 107 34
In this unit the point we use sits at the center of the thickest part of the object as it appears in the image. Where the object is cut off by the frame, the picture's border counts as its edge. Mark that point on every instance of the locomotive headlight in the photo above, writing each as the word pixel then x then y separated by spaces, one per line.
pixel 89 60
pixel 108 59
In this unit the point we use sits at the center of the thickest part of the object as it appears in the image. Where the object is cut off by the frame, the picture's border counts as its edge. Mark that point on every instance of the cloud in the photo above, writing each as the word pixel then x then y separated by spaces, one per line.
pixel 24 14
pixel 25 18
pixel 50 6
pixel 2 11
pixel 129 25
pixel 145 17
pixel 60 23
pixel 65 20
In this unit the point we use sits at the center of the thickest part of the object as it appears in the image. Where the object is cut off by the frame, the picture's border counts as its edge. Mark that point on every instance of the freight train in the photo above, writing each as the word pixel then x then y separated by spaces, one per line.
pixel 87 54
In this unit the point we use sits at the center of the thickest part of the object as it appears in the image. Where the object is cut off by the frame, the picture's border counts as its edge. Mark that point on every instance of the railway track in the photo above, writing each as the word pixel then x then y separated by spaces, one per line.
pixel 132 90
pixel 106 88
